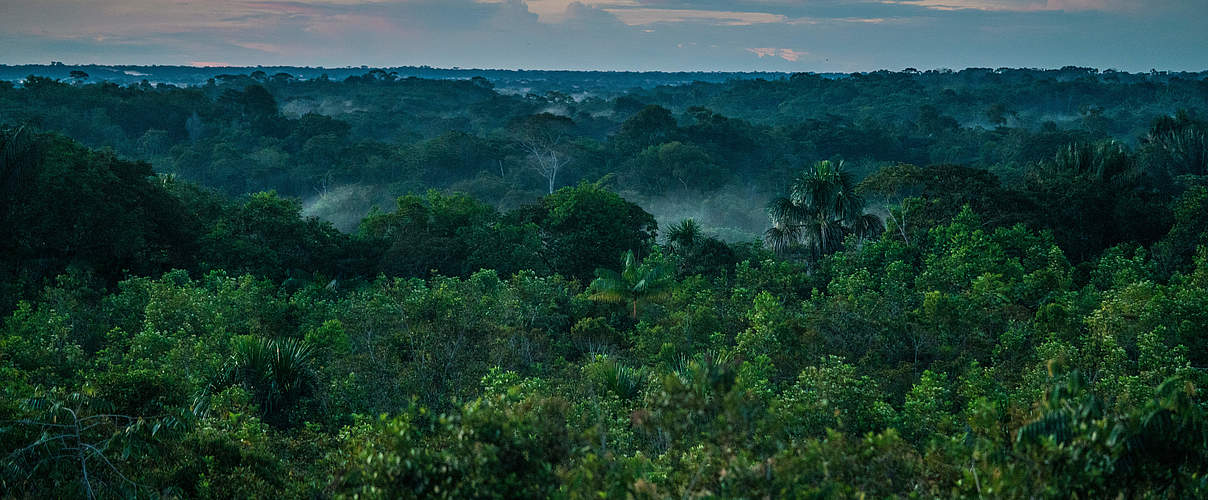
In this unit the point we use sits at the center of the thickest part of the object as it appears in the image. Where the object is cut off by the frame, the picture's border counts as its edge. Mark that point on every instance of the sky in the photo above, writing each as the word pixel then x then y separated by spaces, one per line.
pixel 641 35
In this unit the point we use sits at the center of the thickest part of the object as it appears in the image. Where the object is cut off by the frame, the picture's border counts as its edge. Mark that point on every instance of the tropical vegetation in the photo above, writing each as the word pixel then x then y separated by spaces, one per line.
pixel 986 283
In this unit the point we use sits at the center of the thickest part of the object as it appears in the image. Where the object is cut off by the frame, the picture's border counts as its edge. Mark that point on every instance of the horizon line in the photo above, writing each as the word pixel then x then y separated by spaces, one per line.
pixel 212 66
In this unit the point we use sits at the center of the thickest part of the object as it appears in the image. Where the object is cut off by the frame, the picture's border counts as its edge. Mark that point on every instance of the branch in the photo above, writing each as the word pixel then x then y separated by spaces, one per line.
pixel 98 453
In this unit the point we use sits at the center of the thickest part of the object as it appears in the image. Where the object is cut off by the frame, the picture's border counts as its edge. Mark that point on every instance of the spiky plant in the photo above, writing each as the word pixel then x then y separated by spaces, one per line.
pixel 611 376
pixel 684 235
pixel 701 367
pixel 277 372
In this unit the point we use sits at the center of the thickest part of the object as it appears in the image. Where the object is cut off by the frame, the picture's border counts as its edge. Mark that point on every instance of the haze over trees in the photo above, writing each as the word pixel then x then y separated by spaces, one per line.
pixel 984 283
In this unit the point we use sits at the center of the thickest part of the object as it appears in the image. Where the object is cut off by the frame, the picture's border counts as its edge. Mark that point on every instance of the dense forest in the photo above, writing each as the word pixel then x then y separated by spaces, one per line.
pixel 984 283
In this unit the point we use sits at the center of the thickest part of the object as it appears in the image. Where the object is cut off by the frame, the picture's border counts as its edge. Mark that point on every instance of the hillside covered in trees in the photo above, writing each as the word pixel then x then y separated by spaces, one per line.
pixel 984 283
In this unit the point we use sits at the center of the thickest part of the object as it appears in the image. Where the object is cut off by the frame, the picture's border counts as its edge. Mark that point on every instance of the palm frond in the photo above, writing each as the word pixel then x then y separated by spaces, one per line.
pixel 782 238
pixel 609 286
pixel 786 211
pixel 648 280
pixel 684 234
pixel 822 208
pixel 868 226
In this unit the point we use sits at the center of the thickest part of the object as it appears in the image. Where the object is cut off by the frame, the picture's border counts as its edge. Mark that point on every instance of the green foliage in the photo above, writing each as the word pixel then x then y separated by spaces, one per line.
pixel 831 396
pixel 1102 179
pixel 607 375
pixel 926 412
pixel 586 227
pixel 1030 324
pixel 131 224
pixel 675 166
pixel 697 253
pixel 649 280
pixel 451 235
pixel 1074 445
pixel 491 447
pixel 276 372
pixel 822 208
pixel 80 445
pixel 267 234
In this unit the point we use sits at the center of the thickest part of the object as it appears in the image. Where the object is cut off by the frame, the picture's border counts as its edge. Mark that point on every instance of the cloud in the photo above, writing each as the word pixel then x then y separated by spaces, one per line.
pixel 553 11
pixel 647 16
pixel 763 51
pixel 842 35
pixel 1020 5
pixel 262 47
pixel 792 55
pixel 786 54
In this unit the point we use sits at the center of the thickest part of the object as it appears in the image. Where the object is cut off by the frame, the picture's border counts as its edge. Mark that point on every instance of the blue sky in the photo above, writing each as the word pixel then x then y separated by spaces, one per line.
pixel 672 35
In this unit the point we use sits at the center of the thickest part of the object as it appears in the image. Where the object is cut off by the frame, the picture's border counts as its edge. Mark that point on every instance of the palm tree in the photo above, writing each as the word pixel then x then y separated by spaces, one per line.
pixel 821 210
pixel 1103 161
pixel 1187 150
pixel 684 235
pixel 278 373
pixel 636 282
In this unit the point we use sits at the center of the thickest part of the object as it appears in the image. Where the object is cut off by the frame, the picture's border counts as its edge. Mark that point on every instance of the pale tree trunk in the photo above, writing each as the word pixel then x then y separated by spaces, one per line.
pixel 546 161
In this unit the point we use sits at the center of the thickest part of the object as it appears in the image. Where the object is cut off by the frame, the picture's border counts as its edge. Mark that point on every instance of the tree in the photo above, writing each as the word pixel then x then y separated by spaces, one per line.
pixel 932 122
pixel 1094 196
pixel 821 210
pixel 19 155
pixel 452 235
pixel 998 114
pixel 1183 152
pixel 62 204
pixel 651 126
pixel 80 439
pixel 660 168
pixel 697 253
pixel 586 227
pixel 645 281
pixel 684 235
pixel 544 138
pixel 1107 161
pixel 926 197
pixel 268 235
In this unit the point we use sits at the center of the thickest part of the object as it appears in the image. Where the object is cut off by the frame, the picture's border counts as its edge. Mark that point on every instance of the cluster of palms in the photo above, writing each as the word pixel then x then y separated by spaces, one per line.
pixel 821 210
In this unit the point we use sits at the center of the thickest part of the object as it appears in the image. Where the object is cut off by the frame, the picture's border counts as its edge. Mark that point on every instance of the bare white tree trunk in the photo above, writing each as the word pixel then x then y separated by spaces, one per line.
pixel 547 161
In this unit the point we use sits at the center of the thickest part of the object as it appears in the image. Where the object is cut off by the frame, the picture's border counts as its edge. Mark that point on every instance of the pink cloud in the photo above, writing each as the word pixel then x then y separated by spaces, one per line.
pixel 1018 5
pixel 645 16
pixel 792 55
pixel 763 51
pixel 786 54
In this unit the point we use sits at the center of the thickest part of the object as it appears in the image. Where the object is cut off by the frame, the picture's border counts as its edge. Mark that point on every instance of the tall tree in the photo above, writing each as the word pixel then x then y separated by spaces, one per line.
pixel 821 210
pixel 585 227
pixel 544 137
